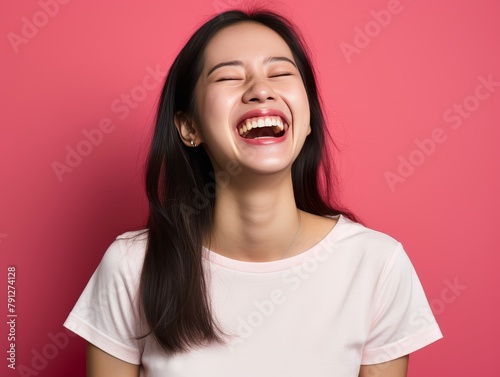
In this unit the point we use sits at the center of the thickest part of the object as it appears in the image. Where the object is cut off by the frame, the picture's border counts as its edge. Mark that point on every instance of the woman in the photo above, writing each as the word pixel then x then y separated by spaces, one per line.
pixel 246 269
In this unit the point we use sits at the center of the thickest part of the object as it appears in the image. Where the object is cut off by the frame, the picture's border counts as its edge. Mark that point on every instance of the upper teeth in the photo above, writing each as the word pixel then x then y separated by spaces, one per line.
pixel 260 122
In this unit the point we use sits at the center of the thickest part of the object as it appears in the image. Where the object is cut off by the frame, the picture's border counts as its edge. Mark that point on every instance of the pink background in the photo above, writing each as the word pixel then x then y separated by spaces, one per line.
pixel 400 84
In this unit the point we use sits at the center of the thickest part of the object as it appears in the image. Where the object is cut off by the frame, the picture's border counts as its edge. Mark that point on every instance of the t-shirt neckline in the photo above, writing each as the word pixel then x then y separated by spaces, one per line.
pixel 277 265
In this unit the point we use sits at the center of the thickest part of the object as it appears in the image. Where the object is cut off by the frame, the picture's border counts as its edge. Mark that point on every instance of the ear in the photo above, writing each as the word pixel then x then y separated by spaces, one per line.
pixel 187 129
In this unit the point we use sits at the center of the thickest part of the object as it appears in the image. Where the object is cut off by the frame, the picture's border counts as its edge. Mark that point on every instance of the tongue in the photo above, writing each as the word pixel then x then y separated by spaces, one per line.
pixel 256 133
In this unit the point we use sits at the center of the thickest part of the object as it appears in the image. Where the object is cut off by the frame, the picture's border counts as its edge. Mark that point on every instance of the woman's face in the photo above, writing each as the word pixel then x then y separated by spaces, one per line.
pixel 251 106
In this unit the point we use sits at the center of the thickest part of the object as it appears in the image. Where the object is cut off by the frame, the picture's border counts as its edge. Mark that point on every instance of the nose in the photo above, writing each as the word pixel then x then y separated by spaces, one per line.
pixel 259 91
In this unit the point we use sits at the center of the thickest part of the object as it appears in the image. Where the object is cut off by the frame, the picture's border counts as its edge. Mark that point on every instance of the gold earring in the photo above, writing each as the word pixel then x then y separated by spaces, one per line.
pixel 193 144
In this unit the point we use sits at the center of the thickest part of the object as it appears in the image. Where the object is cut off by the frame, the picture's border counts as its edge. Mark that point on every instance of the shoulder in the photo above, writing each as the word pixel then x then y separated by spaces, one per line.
pixel 133 242
pixel 361 237
pixel 125 255
pixel 362 244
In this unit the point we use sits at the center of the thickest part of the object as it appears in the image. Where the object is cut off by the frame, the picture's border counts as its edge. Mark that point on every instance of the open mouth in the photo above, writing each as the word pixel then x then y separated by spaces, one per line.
pixel 262 127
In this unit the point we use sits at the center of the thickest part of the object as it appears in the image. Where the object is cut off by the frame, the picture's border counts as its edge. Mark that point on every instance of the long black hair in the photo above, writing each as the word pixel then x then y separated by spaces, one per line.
pixel 173 289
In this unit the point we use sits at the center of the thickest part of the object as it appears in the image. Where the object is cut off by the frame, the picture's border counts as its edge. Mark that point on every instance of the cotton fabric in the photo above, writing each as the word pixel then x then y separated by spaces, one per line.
pixel 354 298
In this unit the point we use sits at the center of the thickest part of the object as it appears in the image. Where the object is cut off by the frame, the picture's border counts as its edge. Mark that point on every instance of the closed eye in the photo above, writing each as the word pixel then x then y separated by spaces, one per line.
pixel 227 79
pixel 282 74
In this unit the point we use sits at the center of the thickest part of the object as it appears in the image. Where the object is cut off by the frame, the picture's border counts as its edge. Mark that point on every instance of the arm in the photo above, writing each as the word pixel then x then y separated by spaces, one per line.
pixel 393 368
pixel 101 364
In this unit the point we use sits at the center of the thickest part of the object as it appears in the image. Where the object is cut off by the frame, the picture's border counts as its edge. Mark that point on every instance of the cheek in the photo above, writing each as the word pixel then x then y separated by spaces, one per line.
pixel 295 92
pixel 216 105
pixel 307 112
pixel 297 99
pixel 206 113
pixel 214 110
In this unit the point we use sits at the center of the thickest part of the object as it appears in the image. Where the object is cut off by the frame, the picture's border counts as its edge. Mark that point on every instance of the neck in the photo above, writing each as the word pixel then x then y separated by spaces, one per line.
pixel 255 222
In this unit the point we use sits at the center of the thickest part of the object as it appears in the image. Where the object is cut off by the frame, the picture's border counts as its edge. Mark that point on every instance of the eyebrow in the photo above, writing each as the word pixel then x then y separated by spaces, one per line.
pixel 239 63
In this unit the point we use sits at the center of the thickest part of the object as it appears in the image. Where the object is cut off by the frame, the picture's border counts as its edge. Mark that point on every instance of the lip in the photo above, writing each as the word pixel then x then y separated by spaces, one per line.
pixel 263 113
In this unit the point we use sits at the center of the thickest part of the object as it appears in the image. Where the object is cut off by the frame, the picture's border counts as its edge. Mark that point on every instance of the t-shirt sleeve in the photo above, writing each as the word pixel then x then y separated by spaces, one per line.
pixel 402 319
pixel 106 314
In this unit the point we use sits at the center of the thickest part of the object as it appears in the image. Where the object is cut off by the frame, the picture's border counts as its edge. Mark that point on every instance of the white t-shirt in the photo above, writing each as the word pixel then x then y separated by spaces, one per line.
pixel 354 298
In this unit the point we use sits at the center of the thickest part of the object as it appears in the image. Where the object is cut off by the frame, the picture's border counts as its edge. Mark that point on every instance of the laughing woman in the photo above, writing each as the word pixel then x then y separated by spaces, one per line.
pixel 248 267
